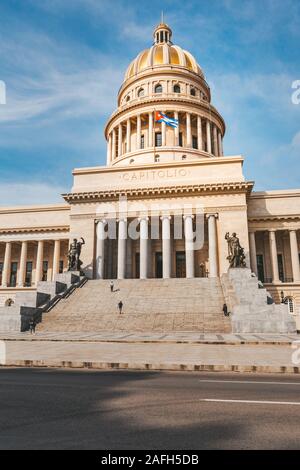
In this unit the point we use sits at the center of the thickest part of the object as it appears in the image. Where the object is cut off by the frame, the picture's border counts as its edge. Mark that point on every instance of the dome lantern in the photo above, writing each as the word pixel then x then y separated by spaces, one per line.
pixel 162 34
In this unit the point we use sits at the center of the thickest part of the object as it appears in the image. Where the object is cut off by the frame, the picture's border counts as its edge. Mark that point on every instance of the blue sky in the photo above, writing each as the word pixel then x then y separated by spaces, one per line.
pixel 63 62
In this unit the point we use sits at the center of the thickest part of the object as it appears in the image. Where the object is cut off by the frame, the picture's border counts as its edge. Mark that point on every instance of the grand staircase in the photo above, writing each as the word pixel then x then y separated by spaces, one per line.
pixel 160 305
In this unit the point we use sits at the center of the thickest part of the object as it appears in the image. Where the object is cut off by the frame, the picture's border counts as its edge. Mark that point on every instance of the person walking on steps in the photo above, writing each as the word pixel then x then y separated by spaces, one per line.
pixel 120 307
pixel 111 286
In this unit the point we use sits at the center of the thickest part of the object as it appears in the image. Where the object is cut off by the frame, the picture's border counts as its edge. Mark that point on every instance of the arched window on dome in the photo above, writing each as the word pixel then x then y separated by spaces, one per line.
pixel 141 92
pixel 193 92
pixel 158 88
pixel 176 88
pixel 127 98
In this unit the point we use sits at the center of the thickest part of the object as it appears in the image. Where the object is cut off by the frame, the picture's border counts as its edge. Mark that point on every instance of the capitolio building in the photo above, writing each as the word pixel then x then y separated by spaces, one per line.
pixel 161 211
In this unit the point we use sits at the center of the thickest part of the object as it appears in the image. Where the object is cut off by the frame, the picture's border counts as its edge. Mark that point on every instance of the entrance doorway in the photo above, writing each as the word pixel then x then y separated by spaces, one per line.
pixel 180 264
pixel 158 265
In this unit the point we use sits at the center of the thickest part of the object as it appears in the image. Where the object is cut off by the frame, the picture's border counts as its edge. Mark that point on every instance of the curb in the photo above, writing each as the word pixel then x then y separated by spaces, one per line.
pixel 263 369
pixel 153 341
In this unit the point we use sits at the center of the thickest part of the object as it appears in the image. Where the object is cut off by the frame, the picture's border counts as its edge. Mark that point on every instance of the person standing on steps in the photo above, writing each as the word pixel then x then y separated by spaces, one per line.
pixel 111 286
pixel 32 326
pixel 120 307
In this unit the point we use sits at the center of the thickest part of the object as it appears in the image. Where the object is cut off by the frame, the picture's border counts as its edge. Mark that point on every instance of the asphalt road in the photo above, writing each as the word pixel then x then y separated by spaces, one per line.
pixel 59 409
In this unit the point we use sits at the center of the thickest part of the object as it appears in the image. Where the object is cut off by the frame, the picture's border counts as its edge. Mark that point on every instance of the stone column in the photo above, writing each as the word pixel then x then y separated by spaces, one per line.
pixel 294 255
pixel 122 237
pixel 188 130
pixel 215 140
pixel 253 260
pixel 220 144
pixel 23 260
pixel 144 247
pixel 6 265
pixel 189 246
pixel 39 261
pixel 208 136
pixel 120 140
pixel 56 258
pixel 128 136
pixel 100 248
pixel 199 133
pixel 109 142
pixel 138 131
pixel 273 253
pixel 113 150
pixel 166 246
pixel 212 245
pixel 176 130
pixel 150 132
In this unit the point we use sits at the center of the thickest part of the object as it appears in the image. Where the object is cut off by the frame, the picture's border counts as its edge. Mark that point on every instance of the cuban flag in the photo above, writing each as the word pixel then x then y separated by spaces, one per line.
pixel 160 117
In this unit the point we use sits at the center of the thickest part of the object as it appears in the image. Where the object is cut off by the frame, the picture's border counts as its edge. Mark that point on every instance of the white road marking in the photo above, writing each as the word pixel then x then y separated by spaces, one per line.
pixel 249 382
pixel 256 402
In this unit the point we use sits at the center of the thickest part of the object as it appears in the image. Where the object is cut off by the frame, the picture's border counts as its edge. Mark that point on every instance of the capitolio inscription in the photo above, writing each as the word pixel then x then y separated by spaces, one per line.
pixel 154 175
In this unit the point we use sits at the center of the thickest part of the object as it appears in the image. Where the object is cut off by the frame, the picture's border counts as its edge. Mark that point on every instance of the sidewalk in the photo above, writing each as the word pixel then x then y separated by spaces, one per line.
pixel 148 356
pixel 144 337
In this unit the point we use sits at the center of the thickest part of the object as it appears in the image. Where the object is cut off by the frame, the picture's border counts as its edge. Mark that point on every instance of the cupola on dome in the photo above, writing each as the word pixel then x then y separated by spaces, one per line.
pixel 163 53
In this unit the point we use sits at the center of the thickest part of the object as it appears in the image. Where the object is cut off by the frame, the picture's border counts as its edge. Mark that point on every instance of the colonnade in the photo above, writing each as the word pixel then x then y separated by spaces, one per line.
pixel 166 244
pixel 6 266
pixel 120 141
pixel 294 252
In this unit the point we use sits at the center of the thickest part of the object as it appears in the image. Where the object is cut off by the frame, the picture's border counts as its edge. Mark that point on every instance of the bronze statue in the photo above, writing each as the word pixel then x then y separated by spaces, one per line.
pixel 236 254
pixel 74 262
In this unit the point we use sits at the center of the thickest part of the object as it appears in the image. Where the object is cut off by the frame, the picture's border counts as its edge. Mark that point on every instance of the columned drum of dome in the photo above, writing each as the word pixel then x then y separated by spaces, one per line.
pixel 168 79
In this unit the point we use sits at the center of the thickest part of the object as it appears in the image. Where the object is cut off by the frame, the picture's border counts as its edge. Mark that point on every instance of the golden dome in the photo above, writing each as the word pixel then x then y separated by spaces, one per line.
pixel 163 53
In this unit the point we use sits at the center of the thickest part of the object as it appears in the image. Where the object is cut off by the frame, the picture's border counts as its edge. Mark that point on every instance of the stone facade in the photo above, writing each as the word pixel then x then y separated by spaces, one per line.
pixel 163 183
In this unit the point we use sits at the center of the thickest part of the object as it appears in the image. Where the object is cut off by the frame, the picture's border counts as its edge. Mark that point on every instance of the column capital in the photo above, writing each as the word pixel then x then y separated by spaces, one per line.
pixel 146 218
pixel 104 221
pixel 213 214
pixel 186 216
pixel 162 217
pixel 122 219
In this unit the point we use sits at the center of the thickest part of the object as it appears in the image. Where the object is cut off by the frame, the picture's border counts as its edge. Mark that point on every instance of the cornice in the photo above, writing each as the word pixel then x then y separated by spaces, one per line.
pixel 58 228
pixel 171 191
pixel 26 209
pixel 202 105
pixel 266 218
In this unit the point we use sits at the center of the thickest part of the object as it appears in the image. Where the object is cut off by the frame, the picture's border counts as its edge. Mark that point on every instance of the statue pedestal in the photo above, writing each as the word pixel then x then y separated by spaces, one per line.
pixel 68 278
pixel 249 307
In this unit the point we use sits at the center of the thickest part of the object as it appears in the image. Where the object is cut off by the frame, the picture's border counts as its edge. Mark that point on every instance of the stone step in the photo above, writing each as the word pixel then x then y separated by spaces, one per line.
pixel 149 305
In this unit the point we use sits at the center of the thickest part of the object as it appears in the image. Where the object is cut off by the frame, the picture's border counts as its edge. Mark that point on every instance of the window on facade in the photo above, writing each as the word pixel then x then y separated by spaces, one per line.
pixel 158 88
pixel 176 89
pixel 141 92
pixel 260 268
pixel 193 92
pixel 1 271
pixel 290 302
pixel 180 139
pixel 156 158
pixel 158 139
pixel 194 142
pixel 13 274
pixel 61 266
pixel 28 276
pixel 45 271
pixel 280 267
pixel 142 141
